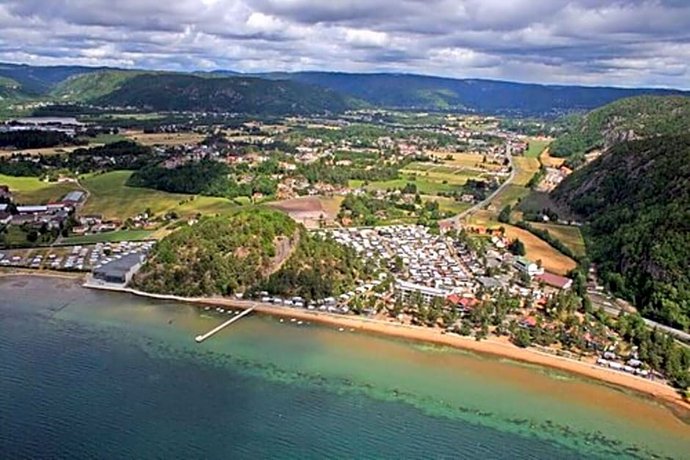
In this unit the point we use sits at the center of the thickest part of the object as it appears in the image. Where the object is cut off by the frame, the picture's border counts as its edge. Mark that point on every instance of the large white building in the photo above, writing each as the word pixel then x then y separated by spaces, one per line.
pixel 404 290
pixel 527 266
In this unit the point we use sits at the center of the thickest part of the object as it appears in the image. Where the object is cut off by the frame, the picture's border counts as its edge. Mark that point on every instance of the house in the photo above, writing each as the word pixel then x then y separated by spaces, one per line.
pixel 526 266
pixel 559 282
pixel 32 209
pixel 528 322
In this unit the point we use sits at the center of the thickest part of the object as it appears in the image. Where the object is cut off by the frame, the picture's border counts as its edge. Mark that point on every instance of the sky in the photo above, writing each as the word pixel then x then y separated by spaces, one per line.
pixel 589 42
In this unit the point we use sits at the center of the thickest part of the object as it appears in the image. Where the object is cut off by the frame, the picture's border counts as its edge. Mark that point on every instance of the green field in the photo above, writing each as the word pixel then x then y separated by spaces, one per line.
pixel 104 139
pixel 509 195
pixel 536 146
pixel 31 190
pixel 121 235
pixel 111 198
pixel 424 186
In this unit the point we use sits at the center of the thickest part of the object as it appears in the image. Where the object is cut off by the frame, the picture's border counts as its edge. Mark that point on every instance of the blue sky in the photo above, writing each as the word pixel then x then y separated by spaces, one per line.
pixel 622 42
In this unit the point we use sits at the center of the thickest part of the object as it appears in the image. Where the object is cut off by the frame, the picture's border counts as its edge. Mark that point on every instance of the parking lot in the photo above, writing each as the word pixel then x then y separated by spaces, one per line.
pixel 71 258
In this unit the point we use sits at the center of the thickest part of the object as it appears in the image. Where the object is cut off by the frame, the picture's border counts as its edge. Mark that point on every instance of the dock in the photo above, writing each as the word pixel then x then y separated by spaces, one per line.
pixel 201 338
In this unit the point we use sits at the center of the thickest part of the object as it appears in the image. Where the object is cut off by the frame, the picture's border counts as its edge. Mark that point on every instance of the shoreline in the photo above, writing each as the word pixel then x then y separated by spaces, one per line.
pixel 657 391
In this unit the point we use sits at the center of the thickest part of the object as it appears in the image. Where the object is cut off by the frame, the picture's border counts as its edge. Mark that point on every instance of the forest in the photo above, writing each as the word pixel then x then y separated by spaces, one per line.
pixel 636 200
pixel 251 250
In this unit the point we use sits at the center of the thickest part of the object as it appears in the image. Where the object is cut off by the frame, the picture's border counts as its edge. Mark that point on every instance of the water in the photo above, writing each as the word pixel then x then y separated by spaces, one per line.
pixel 87 374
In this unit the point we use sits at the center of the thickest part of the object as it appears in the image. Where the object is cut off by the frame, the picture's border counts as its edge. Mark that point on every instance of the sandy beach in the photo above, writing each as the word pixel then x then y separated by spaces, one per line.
pixel 492 346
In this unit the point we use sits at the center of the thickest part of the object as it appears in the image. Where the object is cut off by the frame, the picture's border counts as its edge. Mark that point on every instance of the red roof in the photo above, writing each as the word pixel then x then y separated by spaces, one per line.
pixel 560 282
pixel 530 321
pixel 454 299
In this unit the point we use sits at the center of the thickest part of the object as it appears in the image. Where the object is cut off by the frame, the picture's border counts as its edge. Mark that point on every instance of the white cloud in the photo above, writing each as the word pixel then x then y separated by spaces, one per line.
pixel 622 42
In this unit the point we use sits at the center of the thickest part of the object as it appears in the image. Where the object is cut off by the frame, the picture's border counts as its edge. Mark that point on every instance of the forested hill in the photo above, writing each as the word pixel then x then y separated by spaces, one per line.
pixel 636 199
pixel 254 249
pixel 423 92
pixel 237 94
pixel 627 119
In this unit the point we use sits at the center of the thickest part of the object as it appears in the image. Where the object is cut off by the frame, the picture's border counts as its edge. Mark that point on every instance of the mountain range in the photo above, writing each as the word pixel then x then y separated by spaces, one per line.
pixel 280 93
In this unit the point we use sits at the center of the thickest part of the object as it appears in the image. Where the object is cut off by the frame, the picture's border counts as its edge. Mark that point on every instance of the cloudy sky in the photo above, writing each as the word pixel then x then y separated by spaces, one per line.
pixel 616 42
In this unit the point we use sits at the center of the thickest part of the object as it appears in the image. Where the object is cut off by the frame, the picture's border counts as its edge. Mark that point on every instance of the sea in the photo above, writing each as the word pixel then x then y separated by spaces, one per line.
pixel 90 374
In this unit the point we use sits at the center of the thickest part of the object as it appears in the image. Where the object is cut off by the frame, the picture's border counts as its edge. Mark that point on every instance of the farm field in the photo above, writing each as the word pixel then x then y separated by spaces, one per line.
pixel 551 162
pixel 448 204
pixel 538 249
pixel 568 235
pixel 113 237
pixel 508 196
pixel 311 210
pixel 524 169
pixel 31 190
pixel 111 198
pixel 536 146
pixel 164 138
pixel 424 185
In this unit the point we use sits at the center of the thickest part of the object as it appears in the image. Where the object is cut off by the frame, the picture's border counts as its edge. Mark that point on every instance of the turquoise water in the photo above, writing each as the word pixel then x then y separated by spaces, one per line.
pixel 86 374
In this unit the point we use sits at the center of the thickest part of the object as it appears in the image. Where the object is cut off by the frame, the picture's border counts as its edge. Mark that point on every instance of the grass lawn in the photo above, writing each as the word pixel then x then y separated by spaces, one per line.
pixel 536 147
pixel 568 235
pixel 121 235
pixel 114 200
pixel 31 190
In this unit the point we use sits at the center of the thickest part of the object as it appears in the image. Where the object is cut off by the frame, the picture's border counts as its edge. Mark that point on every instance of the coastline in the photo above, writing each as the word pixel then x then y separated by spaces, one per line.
pixel 658 391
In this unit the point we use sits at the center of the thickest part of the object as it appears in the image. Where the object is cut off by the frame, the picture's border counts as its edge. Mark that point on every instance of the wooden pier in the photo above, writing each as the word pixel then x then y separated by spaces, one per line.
pixel 201 338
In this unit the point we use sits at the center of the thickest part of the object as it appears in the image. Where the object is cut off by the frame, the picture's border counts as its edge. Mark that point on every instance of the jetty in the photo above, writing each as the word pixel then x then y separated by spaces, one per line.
pixel 201 338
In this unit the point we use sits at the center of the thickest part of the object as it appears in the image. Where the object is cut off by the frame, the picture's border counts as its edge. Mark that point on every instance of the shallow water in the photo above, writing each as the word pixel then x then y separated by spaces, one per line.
pixel 92 374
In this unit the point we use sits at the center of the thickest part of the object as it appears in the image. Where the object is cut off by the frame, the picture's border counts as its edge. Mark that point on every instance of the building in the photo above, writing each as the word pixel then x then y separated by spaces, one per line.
pixel 405 290
pixel 74 197
pixel 119 271
pixel 526 266
pixel 559 282
pixel 32 209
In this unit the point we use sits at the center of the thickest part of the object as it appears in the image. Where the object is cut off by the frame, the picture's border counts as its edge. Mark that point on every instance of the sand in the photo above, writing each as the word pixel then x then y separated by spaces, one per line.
pixel 494 346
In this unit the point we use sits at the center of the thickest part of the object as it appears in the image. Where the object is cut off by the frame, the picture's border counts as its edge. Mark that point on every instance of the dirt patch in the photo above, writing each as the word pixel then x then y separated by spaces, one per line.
pixel 310 211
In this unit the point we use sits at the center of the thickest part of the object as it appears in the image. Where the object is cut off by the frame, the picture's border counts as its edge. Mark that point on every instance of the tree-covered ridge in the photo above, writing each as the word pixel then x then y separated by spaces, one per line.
pixel 217 255
pixel 626 119
pixel 318 268
pixel 251 250
pixel 177 92
pixel 636 199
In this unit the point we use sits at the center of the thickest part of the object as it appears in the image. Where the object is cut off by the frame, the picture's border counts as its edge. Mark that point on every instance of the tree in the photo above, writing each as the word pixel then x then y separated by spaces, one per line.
pixel 517 247
pixel 522 338
pixel 504 215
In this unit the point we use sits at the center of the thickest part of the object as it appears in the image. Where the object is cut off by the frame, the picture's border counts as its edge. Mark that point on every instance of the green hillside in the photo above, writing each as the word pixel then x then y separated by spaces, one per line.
pixel 177 92
pixel 86 87
pixel 251 249
pixel 627 119
pixel 636 199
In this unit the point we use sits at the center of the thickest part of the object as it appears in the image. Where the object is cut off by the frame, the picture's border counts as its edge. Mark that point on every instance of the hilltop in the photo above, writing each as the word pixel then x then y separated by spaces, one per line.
pixel 278 93
pixel 172 92
pixel 422 92
pixel 250 250
pixel 627 119
pixel 636 200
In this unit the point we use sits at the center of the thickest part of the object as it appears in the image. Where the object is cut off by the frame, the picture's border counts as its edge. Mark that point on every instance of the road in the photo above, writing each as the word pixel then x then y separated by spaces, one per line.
pixel 456 219
pixel 613 307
